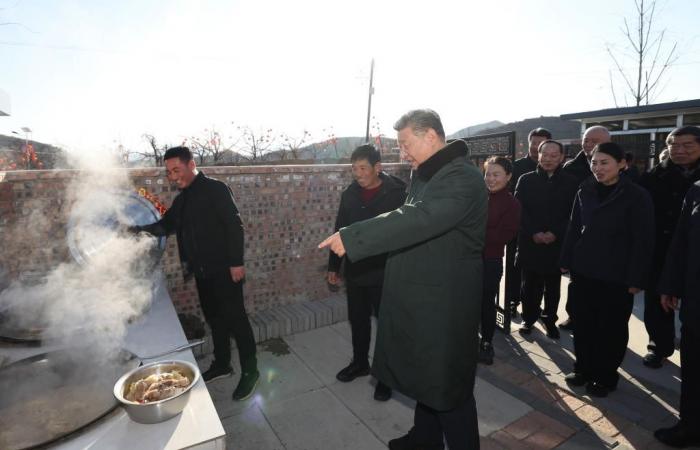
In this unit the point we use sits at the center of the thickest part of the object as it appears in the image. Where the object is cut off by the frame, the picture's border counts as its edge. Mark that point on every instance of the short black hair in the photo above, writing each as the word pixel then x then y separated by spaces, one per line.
pixel 420 121
pixel 368 152
pixel 541 132
pixel 629 157
pixel 687 130
pixel 610 148
pixel 501 161
pixel 551 141
pixel 181 152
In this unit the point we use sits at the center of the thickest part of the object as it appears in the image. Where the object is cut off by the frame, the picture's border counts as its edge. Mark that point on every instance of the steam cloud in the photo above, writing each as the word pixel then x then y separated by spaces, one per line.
pixel 90 303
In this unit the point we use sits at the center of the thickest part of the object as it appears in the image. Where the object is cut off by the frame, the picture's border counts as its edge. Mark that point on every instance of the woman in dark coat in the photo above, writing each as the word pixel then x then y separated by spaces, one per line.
pixel 501 228
pixel 608 249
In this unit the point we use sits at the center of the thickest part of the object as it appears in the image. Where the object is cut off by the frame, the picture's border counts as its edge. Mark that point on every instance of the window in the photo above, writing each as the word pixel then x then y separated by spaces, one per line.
pixel 691 119
pixel 652 122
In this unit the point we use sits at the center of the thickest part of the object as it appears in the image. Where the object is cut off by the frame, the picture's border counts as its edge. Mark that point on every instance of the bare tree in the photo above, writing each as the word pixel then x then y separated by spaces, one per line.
pixel 255 144
pixel 651 54
pixel 210 145
pixel 155 153
pixel 291 147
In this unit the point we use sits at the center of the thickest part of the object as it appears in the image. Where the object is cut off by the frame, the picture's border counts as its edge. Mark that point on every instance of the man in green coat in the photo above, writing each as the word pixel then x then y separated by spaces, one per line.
pixel 427 337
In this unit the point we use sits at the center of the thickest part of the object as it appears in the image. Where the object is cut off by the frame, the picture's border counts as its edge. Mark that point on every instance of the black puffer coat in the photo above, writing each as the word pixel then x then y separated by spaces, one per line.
pixel 612 240
pixel 545 206
pixel 391 195
pixel 667 185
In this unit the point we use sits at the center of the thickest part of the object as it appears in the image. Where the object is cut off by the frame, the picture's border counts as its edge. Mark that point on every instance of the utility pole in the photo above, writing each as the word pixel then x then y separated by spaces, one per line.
pixel 369 101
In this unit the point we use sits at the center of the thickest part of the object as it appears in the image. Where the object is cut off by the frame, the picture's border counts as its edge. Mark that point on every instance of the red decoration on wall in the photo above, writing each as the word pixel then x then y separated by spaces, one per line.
pixel 153 199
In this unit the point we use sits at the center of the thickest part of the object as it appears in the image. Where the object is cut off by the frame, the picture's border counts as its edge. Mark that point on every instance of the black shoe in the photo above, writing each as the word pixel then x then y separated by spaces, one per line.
pixel 551 327
pixel 679 436
pixel 382 392
pixel 575 379
pixel 525 329
pixel 215 372
pixel 486 353
pixel 352 371
pixel 406 442
pixel 595 389
pixel 567 325
pixel 246 385
pixel 653 360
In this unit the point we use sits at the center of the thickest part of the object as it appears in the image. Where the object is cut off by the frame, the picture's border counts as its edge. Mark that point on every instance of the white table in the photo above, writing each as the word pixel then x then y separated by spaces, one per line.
pixel 198 426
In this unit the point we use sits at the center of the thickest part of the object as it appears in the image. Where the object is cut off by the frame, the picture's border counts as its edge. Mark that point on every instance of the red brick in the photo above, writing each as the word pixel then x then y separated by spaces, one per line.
pixel 508 441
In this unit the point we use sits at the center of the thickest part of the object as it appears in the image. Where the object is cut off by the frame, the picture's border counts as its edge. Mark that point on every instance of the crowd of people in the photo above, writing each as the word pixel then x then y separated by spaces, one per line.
pixel 594 218
pixel 427 259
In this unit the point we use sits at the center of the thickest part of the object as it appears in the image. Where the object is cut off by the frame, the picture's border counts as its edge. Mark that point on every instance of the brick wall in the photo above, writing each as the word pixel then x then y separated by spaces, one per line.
pixel 286 210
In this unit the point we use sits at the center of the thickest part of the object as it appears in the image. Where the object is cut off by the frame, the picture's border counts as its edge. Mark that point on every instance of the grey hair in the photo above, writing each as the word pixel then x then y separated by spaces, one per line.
pixel 420 121
pixel 597 128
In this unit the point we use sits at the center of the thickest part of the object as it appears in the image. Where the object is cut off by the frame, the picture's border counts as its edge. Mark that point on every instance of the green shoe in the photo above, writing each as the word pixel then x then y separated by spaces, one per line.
pixel 246 385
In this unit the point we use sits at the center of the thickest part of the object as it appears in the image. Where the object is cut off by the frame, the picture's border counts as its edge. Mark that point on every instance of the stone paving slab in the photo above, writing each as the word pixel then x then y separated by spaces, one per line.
pixel 323 350
pixel 250 430
pixel 282 376
pixel 496 408
pixel 317 420
pixel 387 420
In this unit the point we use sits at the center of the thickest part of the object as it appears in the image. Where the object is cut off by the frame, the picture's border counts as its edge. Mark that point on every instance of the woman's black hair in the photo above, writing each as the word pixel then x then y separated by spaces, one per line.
pixel 612 149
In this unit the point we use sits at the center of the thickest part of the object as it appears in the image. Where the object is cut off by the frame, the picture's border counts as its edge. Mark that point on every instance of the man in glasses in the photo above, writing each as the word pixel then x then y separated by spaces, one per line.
pixel 428 333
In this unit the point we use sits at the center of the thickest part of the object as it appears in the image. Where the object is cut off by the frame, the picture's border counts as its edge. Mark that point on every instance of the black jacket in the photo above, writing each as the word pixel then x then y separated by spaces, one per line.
pixel 545 206
pixel 208 226
pixel 681 275
pixel 521 167
pixel 612 240
pixel 579 167
pixel 667 185
pixel 391 195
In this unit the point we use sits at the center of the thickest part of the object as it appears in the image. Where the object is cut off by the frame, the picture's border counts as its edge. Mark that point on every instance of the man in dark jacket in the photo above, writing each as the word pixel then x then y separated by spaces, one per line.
pixel 521 167
pixel 210 241
pixel 580 168
pixel 545 196
pixel 370 194
pixel 667 183
pixel 680 281
pixel 428 333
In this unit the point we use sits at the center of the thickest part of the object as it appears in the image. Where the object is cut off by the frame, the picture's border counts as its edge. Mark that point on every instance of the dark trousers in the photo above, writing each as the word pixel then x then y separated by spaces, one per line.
pixel 570 302
pixel 690 374
pixel 602 312
pixel 493 271
pixel 660 325
pixel 222 304
pixel 363 301
pixel 512 275
pixel 536 284
pixel 459 426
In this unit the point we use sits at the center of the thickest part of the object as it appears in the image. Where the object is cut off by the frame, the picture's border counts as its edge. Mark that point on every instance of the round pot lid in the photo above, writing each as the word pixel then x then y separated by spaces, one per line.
pixel 102 216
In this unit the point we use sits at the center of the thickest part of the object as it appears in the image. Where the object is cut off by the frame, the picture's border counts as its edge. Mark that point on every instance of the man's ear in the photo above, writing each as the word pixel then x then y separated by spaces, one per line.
pixel 378 167
pixel 191 165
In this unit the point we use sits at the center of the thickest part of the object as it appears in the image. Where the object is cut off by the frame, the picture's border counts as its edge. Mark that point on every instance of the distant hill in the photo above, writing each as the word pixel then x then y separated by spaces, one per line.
pixel 560 129
pixel 330 151
pixel 476 129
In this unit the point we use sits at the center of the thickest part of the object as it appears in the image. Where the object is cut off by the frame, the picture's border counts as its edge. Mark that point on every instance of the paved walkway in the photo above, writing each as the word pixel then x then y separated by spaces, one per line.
pixel 522 400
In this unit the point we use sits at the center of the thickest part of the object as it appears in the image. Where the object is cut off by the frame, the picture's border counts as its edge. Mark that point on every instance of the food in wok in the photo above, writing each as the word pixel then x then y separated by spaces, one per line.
pixel 157 386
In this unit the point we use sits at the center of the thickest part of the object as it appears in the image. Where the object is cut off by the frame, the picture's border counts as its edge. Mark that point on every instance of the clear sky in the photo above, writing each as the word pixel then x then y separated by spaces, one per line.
pixel 89 74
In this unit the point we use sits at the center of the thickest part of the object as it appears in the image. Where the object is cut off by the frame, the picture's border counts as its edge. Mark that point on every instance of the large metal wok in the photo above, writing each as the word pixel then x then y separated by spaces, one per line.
pixel 87 235
pixel 48 396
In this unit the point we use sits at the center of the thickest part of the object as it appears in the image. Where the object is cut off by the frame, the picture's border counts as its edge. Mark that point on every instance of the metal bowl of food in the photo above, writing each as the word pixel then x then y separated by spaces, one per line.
pixel 157 391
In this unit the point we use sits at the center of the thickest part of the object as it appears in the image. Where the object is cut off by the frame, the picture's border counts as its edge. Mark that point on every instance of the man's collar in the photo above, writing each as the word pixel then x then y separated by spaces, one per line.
pixel 441 158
